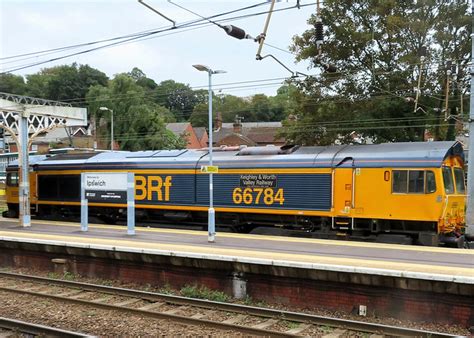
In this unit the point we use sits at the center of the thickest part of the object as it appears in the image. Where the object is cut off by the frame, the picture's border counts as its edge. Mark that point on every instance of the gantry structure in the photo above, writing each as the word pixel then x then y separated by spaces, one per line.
pixel 24 118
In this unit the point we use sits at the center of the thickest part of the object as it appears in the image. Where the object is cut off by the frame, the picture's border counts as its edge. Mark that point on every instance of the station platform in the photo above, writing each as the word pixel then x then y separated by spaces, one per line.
pixel 416 262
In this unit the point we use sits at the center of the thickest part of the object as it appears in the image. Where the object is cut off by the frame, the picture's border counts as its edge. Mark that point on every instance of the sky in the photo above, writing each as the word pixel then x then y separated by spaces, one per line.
pixel 31 26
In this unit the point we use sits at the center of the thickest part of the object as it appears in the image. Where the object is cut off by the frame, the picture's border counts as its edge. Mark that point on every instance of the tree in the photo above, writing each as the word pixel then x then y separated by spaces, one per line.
pixel 230 106
pixel 142 80
pixel 284 102
pixel 13 84
pixel 147 130
pixel 139 123
pixel 200 116
pixel 376 48
pixel 179 98
pixel 68 83
pixel 36 85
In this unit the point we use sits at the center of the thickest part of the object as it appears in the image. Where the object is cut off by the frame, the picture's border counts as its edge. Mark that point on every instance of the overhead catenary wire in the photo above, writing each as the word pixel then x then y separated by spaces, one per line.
pixel 147 34
pixel 140 136
pixel 296 126
pixel 236 88
pixel 219 86
pixel 130 35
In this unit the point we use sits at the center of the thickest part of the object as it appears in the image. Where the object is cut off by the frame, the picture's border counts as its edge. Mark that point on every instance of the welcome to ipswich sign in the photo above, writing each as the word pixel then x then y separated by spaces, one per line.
pixel 108 188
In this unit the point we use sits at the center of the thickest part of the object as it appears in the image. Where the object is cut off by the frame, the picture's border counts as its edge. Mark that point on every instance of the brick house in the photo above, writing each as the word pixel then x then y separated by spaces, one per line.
pixel 247 133
pixel 196 137
pixel 61 137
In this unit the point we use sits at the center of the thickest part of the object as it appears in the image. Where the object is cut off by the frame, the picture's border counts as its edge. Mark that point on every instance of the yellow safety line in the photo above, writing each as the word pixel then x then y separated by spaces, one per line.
pixel 245 253
pixel 326 242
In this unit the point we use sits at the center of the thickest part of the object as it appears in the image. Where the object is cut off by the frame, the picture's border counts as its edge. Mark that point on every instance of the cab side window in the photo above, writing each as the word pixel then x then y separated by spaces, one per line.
pixel 448 180
pixel 12 179
pixel 459 178
pixel 416 181
pixel 400 179
pixel 430 182
pixel 413 182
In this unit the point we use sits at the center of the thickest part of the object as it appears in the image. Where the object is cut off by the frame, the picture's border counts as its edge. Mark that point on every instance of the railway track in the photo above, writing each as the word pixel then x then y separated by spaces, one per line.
pixel 225 316
pixel 16 328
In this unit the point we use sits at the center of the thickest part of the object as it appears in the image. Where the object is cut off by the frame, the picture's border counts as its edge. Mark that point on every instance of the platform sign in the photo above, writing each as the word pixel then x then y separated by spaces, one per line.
pixel 209 169
pixel 112 188
pixel 106 187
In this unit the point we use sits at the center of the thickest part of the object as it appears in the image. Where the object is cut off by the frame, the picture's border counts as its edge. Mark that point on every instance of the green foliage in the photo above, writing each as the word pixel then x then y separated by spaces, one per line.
pixel 376 48
pixel 13 84
pixel 68 276
pixel 200 115
pixel 68 83
pixel 230 106
pixel 139 123
pixel 291 325
pixel 260 108
pixel 141 79
pixel 53 275
pixel 141 107
pixel 167 290
pixel 179 98
pixel 202 292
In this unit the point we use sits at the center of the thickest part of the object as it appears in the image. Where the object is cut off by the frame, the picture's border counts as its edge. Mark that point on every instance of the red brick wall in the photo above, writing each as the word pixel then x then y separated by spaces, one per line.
pixel 302 293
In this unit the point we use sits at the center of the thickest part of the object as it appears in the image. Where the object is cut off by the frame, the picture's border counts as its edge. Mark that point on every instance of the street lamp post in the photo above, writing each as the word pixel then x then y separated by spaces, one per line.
pixel 211 225
pixel 111 126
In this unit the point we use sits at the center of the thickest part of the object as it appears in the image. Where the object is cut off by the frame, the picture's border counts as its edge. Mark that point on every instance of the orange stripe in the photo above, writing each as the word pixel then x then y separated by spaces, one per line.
pixel 192 171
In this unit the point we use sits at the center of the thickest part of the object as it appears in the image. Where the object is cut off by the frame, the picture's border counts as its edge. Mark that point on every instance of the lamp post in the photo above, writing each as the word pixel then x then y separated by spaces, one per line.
pixel 111 125
pixel 211 225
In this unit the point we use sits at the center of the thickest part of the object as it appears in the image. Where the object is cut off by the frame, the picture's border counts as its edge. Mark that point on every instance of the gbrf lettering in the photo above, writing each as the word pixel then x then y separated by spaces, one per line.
pixel 152 188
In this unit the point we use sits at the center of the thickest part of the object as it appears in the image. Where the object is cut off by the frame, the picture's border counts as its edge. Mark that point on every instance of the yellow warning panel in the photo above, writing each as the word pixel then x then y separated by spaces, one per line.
pixel 209 169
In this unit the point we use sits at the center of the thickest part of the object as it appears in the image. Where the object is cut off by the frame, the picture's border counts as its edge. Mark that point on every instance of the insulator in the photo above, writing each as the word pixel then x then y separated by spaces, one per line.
pixel 235 32
pixel 319 33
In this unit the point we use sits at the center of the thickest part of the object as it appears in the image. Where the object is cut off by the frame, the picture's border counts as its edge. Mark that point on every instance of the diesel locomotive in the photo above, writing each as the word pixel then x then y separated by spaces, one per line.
pixel 410 193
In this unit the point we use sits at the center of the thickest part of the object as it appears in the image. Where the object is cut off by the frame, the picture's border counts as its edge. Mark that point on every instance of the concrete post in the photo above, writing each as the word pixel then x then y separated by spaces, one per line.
pixel 84 205
pixel 211 227
pixel 130 204
pixel 24 188
pixel 470 170
pixel 239 285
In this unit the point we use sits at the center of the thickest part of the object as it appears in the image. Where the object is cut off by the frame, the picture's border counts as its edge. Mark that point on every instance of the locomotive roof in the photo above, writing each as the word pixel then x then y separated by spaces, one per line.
pixel 404 154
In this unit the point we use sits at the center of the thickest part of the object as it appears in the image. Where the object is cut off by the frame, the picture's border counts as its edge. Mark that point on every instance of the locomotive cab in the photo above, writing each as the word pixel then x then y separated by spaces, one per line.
pixel 451 225
pixel 12 184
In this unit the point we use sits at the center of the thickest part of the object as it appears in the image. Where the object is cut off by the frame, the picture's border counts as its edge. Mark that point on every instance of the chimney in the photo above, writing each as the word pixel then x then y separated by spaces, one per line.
pixel 238 124
pixel 218 124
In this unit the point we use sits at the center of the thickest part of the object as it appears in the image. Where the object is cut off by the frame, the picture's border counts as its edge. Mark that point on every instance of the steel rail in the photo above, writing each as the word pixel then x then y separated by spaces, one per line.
pixel 237 308
pixel 158 315
pixel 37 330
